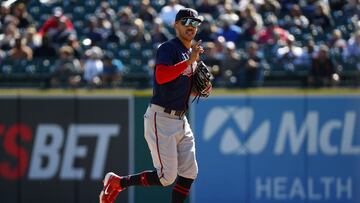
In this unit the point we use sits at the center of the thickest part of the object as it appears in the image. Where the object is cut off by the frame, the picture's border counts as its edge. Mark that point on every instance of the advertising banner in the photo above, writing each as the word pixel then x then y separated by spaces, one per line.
pixel 270 149
pixel 58 149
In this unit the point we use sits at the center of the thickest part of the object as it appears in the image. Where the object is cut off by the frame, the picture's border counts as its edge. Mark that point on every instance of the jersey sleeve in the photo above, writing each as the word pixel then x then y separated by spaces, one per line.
pixel 165 55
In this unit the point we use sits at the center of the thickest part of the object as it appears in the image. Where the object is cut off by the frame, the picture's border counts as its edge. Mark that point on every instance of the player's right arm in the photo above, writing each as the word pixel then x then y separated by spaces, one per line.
pixel 196 50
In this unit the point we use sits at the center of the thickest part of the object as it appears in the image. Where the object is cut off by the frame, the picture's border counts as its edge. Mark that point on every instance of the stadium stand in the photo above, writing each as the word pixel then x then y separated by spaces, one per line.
pixel 125 29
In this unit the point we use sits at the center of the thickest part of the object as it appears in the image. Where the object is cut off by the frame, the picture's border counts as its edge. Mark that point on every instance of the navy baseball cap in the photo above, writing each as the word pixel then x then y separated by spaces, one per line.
pixel 188 13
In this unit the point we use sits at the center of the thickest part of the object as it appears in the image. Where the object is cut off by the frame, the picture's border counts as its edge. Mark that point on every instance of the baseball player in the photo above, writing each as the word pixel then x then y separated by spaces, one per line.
pixel 167 130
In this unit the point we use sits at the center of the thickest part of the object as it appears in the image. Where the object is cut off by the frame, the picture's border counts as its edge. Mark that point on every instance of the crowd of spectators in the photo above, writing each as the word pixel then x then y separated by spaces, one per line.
pixel 100 43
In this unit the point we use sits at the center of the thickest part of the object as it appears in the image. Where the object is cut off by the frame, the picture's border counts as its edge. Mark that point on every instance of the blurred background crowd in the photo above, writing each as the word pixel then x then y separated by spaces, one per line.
pixel 248 43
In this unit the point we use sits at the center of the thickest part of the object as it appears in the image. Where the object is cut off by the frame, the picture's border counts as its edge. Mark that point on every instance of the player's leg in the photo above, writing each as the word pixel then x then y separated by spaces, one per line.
pixel 187 169
pixel 113 184
pixel 160 134
pixel 161 130
pixel 181 189
pixel 111 189
pixel 145 178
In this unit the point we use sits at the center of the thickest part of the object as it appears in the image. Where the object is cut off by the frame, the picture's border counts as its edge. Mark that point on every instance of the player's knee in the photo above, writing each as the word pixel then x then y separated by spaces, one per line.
pixel 194 173
pixel 191 173
pixel 168 178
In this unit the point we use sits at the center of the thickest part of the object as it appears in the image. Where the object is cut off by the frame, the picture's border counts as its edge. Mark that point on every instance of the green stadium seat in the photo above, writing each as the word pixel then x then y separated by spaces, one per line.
pixel 114 4
pixel 6 67
pixel 35 11
pixel 124 55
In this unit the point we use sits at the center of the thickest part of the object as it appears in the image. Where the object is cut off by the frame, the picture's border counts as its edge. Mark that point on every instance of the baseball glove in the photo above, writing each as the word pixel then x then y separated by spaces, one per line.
pixel 202 78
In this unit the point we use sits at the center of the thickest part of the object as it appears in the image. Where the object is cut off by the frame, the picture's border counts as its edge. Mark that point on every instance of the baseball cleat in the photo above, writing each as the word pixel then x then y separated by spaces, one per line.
pixel 112 187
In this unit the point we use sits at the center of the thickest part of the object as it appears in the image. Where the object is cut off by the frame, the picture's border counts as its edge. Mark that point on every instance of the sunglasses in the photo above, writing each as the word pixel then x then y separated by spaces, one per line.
pixel 190 21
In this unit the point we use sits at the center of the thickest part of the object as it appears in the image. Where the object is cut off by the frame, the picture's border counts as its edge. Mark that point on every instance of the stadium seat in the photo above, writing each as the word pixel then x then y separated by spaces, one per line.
pixel 136 56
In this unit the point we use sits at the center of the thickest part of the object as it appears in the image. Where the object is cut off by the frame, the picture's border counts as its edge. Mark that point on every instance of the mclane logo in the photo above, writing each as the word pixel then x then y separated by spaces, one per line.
pixel 240 135
pixel 221 120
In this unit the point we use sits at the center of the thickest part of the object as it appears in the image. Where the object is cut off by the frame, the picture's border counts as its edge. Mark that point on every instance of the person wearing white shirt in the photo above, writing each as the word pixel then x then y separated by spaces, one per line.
pixel 288 54
pixel 352 51
pixel 93 66
pixel 168 12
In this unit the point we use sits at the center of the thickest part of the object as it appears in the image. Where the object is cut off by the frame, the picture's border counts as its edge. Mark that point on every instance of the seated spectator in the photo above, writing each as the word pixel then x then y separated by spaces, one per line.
pixel 4 12
pixel 93 32
pixel 288 55
pixel 337 45
pixel 207 30
pixel 287 4
pixel 116 35
pixel 351 55
pixel 270 6
pixel 251 22
pixel 321 17
pixel 219 49
pixel 51 24
pixel 309 52
pixel 32 39
pixel 295 19
pixel 230 65
pixel 137 32
pixel 67 70
pixel 336 41
pixel 337 5
pixel 74 43
pixel 227 12
pixel 10 19
pixel 146 12
pixel 228 30
pixel 104 25
pixel 22 15
pixel 105 9
pixel 45 50
pixel 323 71
pixel 93 67
pixel 210 60
pixel 352 51
pixel 254 66
pixel 111 72
pixel 352 9
pixel 308 8
pixel 168 12
pixel 21 50
pixel 159 33
pixel 272 33
pixel 7 39
pixel 208 7
pixel 60 34
pixel 126 18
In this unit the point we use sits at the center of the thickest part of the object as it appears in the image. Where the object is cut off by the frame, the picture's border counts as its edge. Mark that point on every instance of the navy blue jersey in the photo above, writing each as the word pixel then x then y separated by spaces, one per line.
pixel 174 94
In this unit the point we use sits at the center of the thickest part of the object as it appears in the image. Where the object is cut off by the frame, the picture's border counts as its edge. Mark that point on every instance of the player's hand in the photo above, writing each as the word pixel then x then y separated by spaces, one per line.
pixel 196 50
